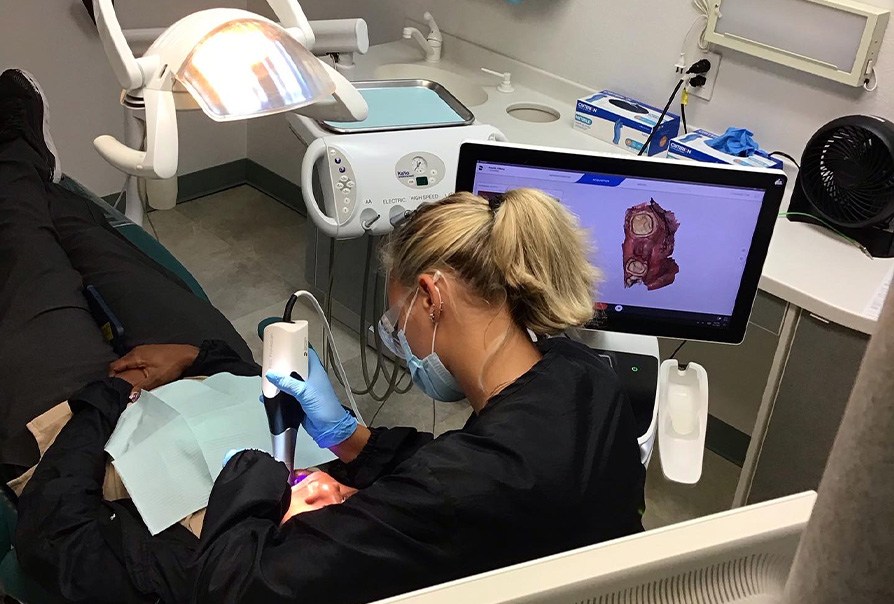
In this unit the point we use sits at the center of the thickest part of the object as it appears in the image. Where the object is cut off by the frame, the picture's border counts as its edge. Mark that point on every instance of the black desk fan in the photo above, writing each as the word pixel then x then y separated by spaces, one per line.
pixel 846 182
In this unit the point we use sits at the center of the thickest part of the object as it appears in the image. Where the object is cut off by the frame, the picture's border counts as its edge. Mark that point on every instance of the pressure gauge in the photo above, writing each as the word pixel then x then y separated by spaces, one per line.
pixel 419 165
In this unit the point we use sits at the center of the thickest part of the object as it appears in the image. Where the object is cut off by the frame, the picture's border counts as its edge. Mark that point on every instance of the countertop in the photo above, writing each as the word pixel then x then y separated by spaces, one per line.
pixel 806 265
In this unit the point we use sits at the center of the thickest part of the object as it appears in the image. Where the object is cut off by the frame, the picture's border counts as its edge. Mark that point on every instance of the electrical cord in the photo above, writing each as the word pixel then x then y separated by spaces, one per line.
pixel 121 193
pixel 152 225
pixel 369 382
pixel 661 118
pixel 693 75
pixel 703 8
pixel 826 224
pixel 786 156
pixel 677 349
pixel 372 422
pixel 873 77
pixel 392 379
pixel 326 356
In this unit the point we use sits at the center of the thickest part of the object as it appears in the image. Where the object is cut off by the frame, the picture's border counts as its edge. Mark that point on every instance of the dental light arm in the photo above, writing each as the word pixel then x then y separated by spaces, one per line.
pixel 346 104
pixel 159 159
pixel 292 17
pixel 340 36
pixel 126 67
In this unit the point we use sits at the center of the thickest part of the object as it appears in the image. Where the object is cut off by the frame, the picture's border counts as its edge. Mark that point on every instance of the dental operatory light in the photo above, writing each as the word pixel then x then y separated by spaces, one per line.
pixel 247 68
pixel 231 63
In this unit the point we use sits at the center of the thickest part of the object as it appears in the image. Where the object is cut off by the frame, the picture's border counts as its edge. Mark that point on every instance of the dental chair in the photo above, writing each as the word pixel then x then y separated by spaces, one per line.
pixel 14 583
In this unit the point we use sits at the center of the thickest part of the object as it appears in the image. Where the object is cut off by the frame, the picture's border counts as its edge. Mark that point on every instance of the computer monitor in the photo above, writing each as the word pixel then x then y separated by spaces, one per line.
pixel 741 556
pixel 681 245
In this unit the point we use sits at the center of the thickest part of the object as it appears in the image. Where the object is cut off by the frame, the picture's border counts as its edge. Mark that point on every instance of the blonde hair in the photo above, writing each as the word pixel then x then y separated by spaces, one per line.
pixel 529 252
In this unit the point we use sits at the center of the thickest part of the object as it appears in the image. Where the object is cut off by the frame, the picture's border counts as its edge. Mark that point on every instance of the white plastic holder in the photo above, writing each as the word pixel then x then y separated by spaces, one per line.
pixel 159 194
pixel 682 420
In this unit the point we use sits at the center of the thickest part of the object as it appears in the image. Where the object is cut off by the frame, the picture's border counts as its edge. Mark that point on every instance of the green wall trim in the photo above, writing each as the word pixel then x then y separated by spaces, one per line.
pixel 212 180
pixel 274 185
pixel 233 174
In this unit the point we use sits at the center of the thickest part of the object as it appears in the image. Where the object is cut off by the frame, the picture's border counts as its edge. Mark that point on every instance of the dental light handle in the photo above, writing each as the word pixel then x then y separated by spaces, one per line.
pixel 285 352
pixel 315 152
pixel 159 160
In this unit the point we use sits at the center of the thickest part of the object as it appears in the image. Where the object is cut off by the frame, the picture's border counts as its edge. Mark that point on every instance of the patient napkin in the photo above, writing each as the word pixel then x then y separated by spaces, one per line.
pixel 169 447
pixel 735 141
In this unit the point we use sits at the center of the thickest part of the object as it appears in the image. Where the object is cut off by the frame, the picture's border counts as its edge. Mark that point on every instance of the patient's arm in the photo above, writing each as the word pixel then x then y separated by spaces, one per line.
pixel 62 517
pixel 216 356
pixel 166 363
pixel 160 363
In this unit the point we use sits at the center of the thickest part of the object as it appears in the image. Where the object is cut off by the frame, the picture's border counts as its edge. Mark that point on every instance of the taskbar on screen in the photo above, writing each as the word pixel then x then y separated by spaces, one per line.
pixel 607 312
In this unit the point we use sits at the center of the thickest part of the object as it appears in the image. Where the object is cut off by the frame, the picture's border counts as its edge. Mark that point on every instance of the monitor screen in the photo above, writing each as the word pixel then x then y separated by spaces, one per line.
pixel 680 246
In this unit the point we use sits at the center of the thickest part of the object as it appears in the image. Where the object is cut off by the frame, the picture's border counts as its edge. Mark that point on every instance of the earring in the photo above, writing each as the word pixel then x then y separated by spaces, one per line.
pixel 431 315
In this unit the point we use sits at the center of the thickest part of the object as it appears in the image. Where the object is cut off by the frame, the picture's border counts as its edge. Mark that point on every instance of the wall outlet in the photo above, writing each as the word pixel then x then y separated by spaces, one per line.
pixel 707 91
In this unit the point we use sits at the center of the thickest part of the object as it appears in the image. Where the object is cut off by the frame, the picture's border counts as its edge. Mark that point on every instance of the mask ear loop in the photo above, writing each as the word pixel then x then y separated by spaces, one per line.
pixel 431 315
pixel 409 310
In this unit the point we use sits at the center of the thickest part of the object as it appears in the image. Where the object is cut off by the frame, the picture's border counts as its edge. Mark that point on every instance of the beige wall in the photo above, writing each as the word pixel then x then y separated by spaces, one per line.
pixel 56 41
pixel 629 46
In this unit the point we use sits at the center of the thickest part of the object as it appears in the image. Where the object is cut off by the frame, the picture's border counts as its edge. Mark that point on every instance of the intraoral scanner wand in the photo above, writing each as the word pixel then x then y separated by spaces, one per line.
pixel 285 352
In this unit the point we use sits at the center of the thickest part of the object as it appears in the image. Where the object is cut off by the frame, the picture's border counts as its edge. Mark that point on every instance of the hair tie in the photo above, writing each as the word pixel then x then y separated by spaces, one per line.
pixel 496 201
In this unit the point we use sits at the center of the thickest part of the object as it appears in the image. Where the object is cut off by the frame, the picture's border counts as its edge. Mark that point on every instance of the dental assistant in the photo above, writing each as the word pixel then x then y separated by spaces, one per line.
pixel 547 462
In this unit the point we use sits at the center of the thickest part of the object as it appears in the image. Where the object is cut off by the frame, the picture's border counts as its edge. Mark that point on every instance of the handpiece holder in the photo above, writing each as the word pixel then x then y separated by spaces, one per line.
pixel 285 352
pixel 679 398
pixel 682 420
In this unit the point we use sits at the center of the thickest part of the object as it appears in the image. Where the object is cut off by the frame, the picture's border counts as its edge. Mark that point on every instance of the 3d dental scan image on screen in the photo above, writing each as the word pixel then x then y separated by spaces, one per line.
pixel 648 244
pixel 416 302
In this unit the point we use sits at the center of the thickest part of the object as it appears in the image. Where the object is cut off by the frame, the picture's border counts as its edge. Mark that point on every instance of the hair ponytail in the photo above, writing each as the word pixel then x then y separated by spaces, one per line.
pixel 524 248
pixel 542 253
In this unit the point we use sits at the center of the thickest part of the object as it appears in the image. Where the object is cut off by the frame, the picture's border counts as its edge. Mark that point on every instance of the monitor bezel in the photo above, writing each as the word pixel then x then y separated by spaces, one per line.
pixel 772 181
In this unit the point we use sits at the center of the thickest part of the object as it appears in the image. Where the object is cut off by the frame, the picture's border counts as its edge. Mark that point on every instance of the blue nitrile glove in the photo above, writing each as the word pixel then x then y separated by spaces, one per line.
pixel 735 141
pixel 325 420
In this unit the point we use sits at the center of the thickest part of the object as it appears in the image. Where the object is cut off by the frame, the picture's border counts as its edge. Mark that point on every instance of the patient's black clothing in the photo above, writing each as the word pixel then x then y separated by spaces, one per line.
pixel 550 464
pixel 89 550
pixel 52 243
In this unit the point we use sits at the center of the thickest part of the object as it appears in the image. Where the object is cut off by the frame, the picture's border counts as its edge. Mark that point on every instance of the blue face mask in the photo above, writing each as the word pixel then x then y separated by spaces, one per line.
pixel 429 374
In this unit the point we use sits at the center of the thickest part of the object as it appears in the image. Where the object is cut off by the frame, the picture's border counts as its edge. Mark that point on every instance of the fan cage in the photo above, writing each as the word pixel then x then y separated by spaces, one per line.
pixel 847 173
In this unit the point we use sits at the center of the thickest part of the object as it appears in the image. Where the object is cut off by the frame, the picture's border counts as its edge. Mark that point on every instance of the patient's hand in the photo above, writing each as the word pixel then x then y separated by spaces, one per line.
pixel 135 377
pixel 316 491
pixel 160 363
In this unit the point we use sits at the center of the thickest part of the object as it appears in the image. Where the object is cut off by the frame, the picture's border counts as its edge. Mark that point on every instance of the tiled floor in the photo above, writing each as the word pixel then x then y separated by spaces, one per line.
pixel 248 253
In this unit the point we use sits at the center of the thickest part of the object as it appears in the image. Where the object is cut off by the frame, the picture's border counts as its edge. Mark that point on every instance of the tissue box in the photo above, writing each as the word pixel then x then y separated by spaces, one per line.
pixel 625 122
pixel 694 146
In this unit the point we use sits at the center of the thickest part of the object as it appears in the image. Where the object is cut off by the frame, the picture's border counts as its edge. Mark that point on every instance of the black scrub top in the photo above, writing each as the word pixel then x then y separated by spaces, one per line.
pixel 550 464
